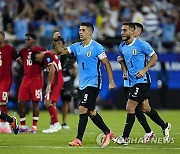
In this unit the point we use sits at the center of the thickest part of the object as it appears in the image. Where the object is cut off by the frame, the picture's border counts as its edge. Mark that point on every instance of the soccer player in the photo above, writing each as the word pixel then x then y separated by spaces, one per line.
pixel 89 54
pixel 135 52
pixel 7 54
pixel 139 114
pixel 31 85
pixel 11 120
pixel 51 62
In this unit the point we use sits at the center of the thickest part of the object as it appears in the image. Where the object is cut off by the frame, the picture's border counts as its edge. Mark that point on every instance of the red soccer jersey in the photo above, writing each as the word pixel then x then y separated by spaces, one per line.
pixel 7 54
pixel 51 58
pixel 31 70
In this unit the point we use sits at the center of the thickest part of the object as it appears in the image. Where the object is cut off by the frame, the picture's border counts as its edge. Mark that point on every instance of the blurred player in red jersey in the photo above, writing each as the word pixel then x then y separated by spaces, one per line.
pixel 7 54
pixel 32 83
pixel 51 62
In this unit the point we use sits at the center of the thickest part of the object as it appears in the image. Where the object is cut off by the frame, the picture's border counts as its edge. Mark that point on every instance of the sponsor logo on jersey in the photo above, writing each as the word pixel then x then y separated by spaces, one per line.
pixel 88 53
pixel 134 51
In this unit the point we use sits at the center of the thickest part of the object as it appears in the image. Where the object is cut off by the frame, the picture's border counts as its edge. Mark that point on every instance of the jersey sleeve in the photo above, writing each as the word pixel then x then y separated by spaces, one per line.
pixel 120 51
pixel 72 48
pixel 147 49
pixel 48 59
pixel 101 52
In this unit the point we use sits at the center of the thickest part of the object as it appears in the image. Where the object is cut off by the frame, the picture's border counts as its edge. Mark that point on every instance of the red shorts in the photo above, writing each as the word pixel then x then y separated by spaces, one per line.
pixel 55 93
pixel 31 89
pixel 4 91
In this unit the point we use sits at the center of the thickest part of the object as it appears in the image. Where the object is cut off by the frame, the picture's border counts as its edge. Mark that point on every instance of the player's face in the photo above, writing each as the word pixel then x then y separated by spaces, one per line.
pixel 126 32
pixel 137 32
pixel 84 33
pixel 1 37
pixel 29 41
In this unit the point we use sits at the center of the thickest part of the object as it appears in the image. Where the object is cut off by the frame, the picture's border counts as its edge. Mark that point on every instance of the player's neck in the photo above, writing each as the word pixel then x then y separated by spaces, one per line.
pixel 130 40
pixel 2 44
pixel 86 42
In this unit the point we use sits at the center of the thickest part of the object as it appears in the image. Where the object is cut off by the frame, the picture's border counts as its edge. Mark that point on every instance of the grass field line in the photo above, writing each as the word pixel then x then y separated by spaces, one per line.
pixel 94 147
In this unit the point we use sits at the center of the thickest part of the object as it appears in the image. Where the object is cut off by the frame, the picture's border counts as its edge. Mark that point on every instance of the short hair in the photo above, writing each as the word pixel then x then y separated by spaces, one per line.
pixel 1 32
pixel 33 56
pixel 88 24
pixel 31 35
pixel 139 25
pixel 130 24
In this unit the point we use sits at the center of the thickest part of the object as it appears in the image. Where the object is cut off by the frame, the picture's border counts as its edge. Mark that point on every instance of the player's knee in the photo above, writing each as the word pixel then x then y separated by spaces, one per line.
pixel 82 110
pixel 146 109
pixel 91 113
pixel 130 109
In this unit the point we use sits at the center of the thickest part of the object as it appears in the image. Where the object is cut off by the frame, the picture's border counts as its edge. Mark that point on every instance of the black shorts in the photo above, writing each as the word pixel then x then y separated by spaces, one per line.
pixel 88 97
pixel 139 92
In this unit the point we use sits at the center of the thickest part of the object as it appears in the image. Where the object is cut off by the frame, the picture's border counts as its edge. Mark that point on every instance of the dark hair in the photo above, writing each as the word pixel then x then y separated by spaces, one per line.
pixel 33 56
pixel 137 24
pixel 31 35
pixel 130 24
pixel 1 32
pixel 88 24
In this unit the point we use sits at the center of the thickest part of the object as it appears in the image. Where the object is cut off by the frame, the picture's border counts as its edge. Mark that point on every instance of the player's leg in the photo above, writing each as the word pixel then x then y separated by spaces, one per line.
pixel 4 90
pixel 23 96
pixel 152 113
pixel 83 119
pixel 142 120
pixel 137 95
pixel 35 105
pixel 36 96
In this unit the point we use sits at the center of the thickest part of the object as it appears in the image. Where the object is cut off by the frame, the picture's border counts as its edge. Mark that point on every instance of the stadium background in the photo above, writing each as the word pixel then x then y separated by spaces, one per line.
pixel 160 18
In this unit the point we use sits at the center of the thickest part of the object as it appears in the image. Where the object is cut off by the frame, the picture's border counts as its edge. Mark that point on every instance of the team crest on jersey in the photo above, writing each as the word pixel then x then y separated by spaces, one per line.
pixel 134 51
pixel 88 53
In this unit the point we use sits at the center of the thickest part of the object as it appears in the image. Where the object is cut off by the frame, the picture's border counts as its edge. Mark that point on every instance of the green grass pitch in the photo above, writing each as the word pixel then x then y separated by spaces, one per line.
pixel 58 142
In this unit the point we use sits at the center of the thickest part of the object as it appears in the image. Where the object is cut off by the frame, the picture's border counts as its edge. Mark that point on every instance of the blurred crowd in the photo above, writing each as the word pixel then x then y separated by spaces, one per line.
pixel 160 18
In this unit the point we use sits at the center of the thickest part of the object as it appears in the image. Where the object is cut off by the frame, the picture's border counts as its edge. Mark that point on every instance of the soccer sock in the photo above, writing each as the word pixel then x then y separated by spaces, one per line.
pixel 83 119
pixel 5 117
pixel 129 124
pixel 23 120
pixel 98 121
pixel 53 114
pixel 142 119
pixel 156 118
pixel 3 108
pixel 35 120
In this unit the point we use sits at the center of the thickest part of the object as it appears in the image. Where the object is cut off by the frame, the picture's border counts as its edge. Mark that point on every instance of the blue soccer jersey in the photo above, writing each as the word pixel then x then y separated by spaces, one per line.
pixel 136 55
pixel 88 59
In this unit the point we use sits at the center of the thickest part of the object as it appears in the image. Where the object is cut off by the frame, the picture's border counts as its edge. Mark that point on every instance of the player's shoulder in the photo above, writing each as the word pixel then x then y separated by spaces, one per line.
pixel 122 44
pixel 38 48
pixel 142 42
pixel 8 46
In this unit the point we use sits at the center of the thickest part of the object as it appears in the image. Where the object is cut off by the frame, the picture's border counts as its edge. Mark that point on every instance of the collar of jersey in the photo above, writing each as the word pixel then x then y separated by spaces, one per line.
pixel 132 42
pixel 88 44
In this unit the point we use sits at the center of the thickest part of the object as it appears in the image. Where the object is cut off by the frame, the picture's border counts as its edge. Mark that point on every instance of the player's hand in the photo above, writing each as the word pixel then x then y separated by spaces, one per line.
pixel 140 73
pixel 56 35
pixel 48 89
pixel 112 85
pixel 125 77
pixel 119 59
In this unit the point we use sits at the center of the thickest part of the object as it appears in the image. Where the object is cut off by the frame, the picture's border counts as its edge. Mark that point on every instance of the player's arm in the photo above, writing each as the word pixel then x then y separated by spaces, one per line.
pixel 19 60
pixel 123 67
pixel 150 64
pixel 51 74
pixel 58 45
pixel 107 65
